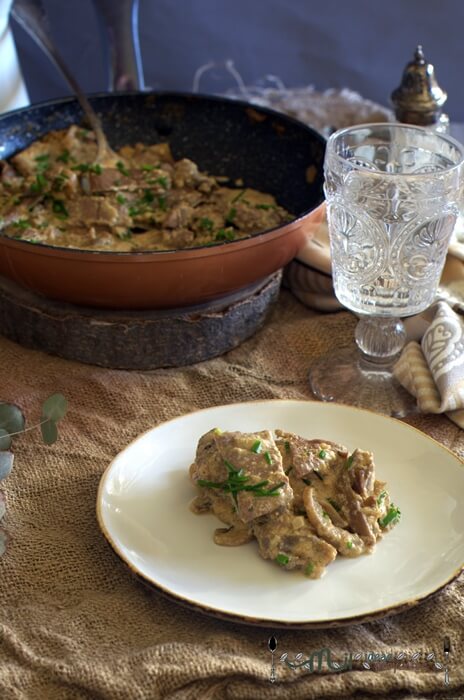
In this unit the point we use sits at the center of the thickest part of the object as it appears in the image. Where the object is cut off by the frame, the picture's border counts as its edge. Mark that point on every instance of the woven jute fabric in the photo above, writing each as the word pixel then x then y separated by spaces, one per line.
pixel 74 622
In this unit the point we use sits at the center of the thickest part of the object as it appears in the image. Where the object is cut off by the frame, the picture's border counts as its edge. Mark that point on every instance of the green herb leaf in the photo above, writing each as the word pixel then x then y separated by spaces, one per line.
pixel 11 418
pixel 349 544
pixel 267 457
pixel 162 203
pixel 148 197
pixel 39 184
pixel 231 214
pixel 309 568
pixel 282 559
pixel 59 209
pixel 349 461
pixel 225 235
pixel 122 168
pixel 49 432
pixel 148 168
pixel 257 446
pixel 287 446
pixel 5 439
pixel 322 454
pixel 55 407
pixel 163 181
pixel 22 224
pixel 43 162
pixel 6 464
pixel 125 235
pixel 64 156
pixel 120 199
pixel 381 497
pixel 206 224
pixel 393 515
pixel 265 206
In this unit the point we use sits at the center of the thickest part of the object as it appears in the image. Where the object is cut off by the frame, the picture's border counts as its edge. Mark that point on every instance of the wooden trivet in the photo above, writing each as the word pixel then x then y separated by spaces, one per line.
pixel 135 339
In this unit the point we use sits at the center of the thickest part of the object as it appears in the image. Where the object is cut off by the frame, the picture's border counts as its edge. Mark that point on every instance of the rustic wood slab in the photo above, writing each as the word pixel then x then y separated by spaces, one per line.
pixel 140 340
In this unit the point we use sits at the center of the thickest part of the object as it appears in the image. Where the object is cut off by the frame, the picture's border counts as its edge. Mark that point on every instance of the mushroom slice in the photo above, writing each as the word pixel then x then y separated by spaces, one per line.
pixel 232 536
pixel 346 543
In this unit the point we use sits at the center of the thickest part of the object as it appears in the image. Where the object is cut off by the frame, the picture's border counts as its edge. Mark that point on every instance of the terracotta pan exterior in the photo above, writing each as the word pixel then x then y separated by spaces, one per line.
pixel 162 279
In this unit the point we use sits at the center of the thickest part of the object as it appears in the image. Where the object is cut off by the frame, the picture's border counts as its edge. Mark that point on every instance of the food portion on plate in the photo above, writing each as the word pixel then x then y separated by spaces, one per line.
pixel 55 193
pixel 304 501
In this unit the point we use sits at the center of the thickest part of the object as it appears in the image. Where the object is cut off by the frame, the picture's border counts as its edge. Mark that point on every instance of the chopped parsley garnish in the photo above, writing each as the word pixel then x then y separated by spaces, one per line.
pixel 381 497
pixel 95 168
pixel 393 515
pixel 120 199
pixel 206 224
pixel 39 184
pixel 265 206
pixel 349 544
pixel 267 457
pixel 349 461
pixel 43 162
pixel 282 559
pixel 64 157
pixel 122 168
pixel 287 446
pixel 59 181
pixel 309 568
pixel 148 197
pixel 322 454
pixel 59 209
pixel 163 181
pixel 225 235
pixel 257 446
pixel 23 224
pixel 162 204
pixel 237 481
pixel 231 214
pixel 147 168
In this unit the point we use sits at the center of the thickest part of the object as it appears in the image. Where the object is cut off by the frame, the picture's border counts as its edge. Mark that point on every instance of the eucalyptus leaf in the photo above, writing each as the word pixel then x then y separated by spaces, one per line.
pixel 54 407
pixel 11 418
pixel 2 505
pixel 5 439
pixel 49 432
pixel 6 464
pixel 3 539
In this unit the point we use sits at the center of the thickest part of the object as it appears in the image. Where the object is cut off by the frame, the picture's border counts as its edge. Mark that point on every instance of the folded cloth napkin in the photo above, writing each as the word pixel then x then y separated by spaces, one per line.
pixel 432 369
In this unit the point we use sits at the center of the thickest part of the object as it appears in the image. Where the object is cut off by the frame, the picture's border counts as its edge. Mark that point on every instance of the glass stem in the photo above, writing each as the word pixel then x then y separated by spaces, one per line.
pixel 380 340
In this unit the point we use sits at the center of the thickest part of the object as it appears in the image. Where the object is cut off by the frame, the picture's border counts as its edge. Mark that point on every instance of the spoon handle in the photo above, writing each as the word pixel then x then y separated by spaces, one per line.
pixel 119 23
pixel 30 15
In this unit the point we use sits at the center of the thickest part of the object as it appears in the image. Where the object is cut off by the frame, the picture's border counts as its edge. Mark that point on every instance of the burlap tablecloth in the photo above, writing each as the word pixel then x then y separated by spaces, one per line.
pixel 75 624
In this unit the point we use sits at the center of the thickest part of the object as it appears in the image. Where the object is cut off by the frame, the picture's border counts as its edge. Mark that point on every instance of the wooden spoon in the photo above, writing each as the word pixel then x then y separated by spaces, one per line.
pixel 31 16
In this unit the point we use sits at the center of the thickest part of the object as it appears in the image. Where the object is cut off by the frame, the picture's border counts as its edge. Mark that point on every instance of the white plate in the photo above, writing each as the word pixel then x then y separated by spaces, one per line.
pixel 142 509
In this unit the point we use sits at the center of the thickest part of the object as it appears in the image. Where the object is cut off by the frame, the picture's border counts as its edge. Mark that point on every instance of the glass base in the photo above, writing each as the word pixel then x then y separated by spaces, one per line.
pixel 344 377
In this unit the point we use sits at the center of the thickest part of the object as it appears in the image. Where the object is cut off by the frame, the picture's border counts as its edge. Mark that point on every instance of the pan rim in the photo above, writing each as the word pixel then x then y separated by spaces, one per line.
pixel 214 246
